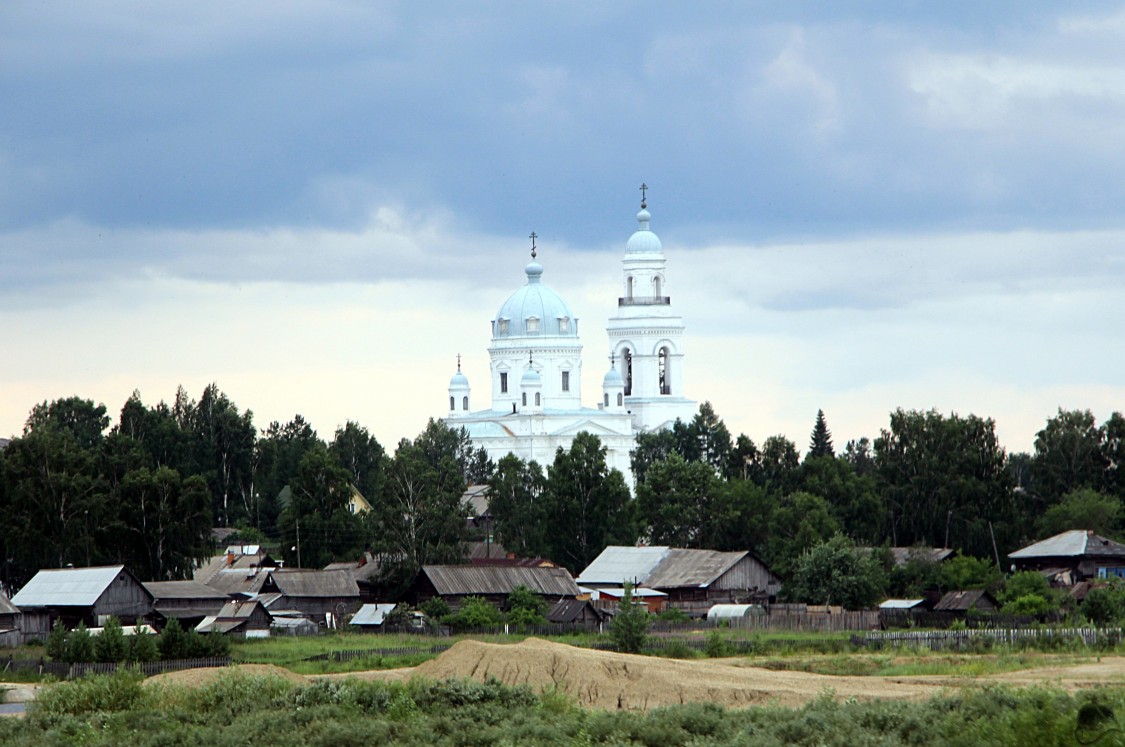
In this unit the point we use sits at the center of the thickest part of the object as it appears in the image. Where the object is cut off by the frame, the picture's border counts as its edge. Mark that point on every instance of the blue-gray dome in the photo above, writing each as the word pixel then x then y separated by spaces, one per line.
pixel 613 379
pixel 459 381
pixel 643 240
pixel 537 302
pixel 530 378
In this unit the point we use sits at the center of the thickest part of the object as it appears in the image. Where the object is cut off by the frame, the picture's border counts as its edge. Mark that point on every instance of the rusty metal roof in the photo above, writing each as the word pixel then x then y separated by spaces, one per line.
pixel 490 579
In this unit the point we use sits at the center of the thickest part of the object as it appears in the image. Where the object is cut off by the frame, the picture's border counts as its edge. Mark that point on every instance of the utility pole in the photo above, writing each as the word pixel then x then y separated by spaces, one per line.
pixel 298 542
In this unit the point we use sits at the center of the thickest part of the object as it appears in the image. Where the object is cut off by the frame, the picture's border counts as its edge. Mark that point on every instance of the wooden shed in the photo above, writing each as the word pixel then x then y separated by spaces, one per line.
pixel 187 601
pixel 454 583
pixel 315 593
pixel 89 595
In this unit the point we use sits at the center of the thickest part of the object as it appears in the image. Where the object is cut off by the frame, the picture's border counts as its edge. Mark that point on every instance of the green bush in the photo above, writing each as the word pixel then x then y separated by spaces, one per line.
pixel 1105 604
pixel 173 641
pixel 110 645
pixel 56 642
pixel 716 647
pixel 435 608
pixel 118 691
pixel 525 607
pixel 475 612
pixel 142 647
pixel 79 645
pixel 673 615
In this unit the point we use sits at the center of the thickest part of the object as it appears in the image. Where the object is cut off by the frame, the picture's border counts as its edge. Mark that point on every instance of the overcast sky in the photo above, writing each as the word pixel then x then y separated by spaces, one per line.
pixel 318 205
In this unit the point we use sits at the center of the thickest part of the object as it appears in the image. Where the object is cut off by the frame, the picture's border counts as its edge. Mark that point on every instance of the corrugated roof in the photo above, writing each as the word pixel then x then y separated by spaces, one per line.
pixel 617 564
pixel 1074 543
pixel 569 610
pixel 961 601
pixel 163 590
pixel 67 587
pixel 315 583
pixel 238 581
pixel 372 614
pixel 490 579
pixel 6 606
pixel 903 555
pixel 900 604
pixel 691 568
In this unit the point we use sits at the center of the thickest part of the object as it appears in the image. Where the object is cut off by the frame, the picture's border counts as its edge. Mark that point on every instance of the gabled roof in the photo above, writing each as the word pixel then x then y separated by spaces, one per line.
pixel 692 568
pixel 165 590
pixel 302 582
pixel 1072 544
pixel 900 604
pixel 238 581
pixel 903 555
pixel 569 610
pixel 6 606
pixel 660 567
pixel 69 587
pixel 460 580
pixel 617 564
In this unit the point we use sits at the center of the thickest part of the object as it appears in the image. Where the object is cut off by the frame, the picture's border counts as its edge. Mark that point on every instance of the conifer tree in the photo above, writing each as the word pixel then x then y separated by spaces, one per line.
pixel 821 443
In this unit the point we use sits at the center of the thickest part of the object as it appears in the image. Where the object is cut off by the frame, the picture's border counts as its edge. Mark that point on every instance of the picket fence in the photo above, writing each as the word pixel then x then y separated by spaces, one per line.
pixel 63 670
pixel 940 640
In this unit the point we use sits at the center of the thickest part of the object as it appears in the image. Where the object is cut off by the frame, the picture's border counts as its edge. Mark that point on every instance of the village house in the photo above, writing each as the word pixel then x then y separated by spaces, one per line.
pixel 186 601
pixel 89 595
pixel 1070 557
pixel 454 583
pixel 694 580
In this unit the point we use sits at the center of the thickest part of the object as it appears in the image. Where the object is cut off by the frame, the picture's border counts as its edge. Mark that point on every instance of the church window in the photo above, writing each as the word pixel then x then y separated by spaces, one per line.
pixel 564 325
pixel 502 326
pixel 606 399
pixel 537 399
pixel 620 399
pixel 503 382
pixel 566 381
pixel 662 369
pixel 532 324
pixel 464 403
pixel 656 287
pixel 451 403
pixel 629 287
pixel 628 372
pixel 525 399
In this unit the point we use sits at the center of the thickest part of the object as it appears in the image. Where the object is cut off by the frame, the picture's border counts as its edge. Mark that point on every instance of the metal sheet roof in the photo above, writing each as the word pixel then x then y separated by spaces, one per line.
pixel 1074 543
pixel 6 606
pixel 491 579
pixel 67 587
pixel 900 604
pixel 315 583
pixel 617 564
pixel 372 614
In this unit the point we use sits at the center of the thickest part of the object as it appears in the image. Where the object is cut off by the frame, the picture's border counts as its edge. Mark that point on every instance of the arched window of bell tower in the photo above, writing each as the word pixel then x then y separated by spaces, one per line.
pixel 656 287
pixel 629 287
pixel 628 355
pixel 664 373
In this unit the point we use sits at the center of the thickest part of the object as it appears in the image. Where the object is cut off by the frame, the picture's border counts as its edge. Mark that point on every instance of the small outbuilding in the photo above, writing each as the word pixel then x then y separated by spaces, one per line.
pixel 454 583
pixel 963 601
pixel 371 617
pixel 721 612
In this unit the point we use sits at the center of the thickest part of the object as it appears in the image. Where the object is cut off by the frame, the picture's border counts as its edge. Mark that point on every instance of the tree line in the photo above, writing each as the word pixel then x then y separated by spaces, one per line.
pixel 145 490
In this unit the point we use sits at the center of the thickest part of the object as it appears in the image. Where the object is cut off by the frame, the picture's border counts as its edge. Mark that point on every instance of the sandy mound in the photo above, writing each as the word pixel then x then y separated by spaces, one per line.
pixel 611 680
pixel 200 677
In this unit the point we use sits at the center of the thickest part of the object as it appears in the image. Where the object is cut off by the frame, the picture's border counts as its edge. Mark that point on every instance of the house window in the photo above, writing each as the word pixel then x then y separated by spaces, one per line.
pixel 503 382
pixel 465 403
pixel 532 325
pixel 502 327
pixel 564 325
pixel 566 381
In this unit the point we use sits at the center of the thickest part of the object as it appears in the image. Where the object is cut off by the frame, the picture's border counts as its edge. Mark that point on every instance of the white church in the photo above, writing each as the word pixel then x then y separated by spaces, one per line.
pixel 536 366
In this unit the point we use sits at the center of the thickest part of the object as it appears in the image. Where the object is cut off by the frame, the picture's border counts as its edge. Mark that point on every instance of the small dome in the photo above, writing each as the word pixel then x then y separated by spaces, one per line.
pixel 643 240
pixel 530 378
pixel 536 302
pixel 613 379
pixel 459 381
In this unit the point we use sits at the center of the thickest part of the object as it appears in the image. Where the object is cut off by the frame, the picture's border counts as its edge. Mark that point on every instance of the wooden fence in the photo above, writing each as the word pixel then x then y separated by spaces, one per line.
pixel 941 640
pixel 63 670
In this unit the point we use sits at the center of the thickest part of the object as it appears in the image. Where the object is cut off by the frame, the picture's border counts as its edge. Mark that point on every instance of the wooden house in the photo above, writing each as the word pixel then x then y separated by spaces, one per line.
pixel 317 594
pixel 694 580
pixel 454 583
pixel 89 595
pixel 963 601
pixel 1072 556
pixel 247 617
pixel 576 612
pixel 187 601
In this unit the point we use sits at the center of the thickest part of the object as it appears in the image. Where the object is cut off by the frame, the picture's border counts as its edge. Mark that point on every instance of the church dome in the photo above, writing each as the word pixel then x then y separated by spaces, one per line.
pixel 534 310
pixel 530 378
pixel 613 379
pixel 643 240
pixel 459 380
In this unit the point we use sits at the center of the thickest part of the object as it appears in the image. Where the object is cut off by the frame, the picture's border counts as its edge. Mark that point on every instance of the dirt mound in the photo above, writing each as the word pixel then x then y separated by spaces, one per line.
pixel 610 680
pixel 201 677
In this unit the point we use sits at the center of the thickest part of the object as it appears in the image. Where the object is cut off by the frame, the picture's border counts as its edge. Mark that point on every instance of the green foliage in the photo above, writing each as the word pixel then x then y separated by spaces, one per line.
pixel 833 572
pixel 518 505
pixel 1029 604
pixel 361 457
pixel 1086 509
pixel 110 645
pixel 672 615
pixel 1068 454
pixel 56 642
pixel 966 572
pixel 716 647
pixel 1105 605
pixel 918 574
pixel 525 607
pixel 589 506
pixel 678 503
pixel 173 641
pixel 1028 593
pixel 629 629
pixel 435 608
pixel 820 442
pixel 853 499
pixel 475 612
pixel 142 647
pixel 108 693
pixel 318 520
pixel 799 521
pixel 80 645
